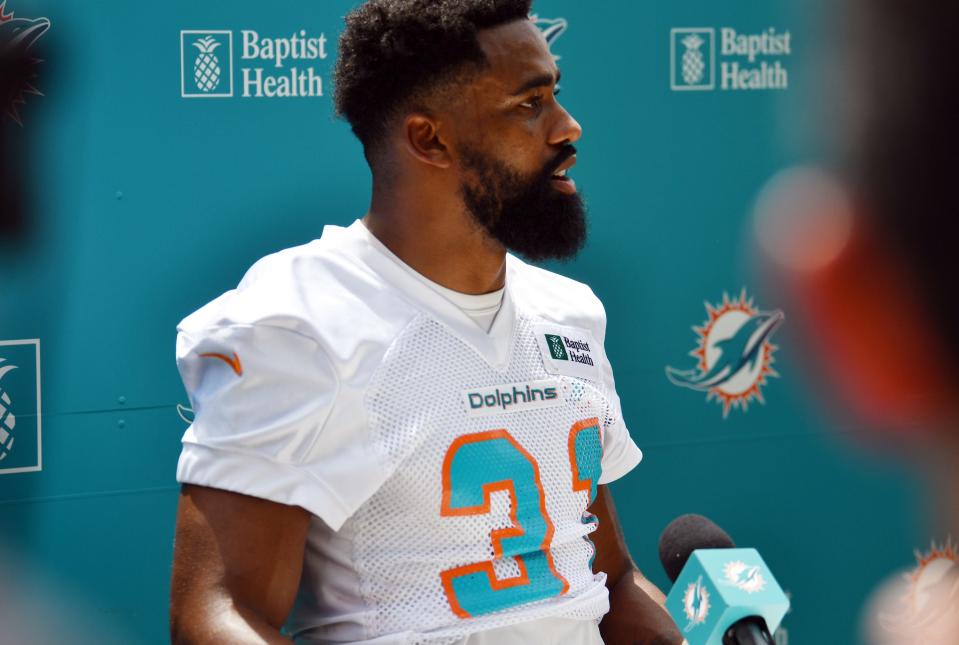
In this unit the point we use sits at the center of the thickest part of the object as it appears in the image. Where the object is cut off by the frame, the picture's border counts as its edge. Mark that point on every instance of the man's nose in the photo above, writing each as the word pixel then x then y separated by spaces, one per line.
pixel 566 130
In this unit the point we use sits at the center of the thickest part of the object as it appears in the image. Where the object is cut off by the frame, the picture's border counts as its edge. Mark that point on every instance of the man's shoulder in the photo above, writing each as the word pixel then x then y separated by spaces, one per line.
pixel 331 258
pixel 556 297
pixel 320 289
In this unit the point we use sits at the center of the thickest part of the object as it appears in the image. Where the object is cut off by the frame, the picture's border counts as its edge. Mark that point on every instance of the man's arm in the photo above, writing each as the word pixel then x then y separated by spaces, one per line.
pixel 636 613
pixel 236 567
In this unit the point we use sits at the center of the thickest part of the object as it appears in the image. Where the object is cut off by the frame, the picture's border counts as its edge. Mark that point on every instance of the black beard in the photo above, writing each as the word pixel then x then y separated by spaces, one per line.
pixel 524 214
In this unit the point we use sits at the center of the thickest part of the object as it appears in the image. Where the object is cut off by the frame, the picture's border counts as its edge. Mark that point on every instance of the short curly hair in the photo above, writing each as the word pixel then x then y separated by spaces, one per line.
pixel 394 51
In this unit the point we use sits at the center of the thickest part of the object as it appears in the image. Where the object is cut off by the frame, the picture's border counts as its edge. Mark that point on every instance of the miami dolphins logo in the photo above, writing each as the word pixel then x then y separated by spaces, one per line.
pixel 930 607
pixel 186 413
pixel 734 354
pixel 551 29
pixel 696 603
pixel 17 65
pixel 742 576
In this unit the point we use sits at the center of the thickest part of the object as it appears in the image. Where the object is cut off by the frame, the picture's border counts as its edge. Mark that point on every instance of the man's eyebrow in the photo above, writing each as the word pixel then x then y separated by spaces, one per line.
pixel 537 81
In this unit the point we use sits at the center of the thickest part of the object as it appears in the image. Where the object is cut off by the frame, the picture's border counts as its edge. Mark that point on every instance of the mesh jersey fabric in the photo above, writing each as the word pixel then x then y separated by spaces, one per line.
pixel 548 631
pixel 361 396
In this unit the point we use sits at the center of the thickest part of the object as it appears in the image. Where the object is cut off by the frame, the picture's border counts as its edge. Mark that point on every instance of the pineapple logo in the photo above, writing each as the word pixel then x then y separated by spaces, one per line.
pixel 7 421
pixel 693 66
pixel 696 52
pixel 206 67
pixel 19 406
pixel 202 73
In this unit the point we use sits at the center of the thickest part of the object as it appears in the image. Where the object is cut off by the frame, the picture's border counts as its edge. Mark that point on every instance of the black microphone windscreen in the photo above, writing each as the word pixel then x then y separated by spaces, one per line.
pixel 684 535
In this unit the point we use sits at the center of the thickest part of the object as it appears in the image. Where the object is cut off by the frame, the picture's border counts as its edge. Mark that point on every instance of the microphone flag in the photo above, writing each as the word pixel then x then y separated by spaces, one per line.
pixel 718 587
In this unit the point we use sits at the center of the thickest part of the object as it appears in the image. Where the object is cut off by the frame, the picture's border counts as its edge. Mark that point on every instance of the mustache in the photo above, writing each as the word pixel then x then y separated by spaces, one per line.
pixel 565 153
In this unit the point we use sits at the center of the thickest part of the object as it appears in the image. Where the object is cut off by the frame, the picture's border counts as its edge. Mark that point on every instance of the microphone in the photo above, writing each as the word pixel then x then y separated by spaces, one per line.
pixel 721 595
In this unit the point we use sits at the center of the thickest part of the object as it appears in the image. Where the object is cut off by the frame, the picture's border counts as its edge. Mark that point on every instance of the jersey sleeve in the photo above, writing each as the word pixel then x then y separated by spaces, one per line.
pixel 261 396
pixel 620 452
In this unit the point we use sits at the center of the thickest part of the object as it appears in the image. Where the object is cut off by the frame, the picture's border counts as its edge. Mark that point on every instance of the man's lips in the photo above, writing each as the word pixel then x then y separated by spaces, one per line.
pixel 559 179
pixel 566 165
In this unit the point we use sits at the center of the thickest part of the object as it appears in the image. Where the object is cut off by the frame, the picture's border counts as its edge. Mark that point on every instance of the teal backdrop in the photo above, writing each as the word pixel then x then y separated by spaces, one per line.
pixel 144 205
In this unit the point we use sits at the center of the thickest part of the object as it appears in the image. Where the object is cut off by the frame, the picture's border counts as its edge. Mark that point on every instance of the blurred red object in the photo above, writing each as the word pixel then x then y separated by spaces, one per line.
pixel 876 350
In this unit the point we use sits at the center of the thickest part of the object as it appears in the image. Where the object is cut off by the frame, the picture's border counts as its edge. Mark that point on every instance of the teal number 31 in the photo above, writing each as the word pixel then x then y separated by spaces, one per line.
pixel 478 464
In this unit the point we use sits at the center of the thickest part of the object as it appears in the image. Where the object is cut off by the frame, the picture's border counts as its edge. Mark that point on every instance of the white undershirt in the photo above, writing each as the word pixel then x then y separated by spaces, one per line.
pixel 481 309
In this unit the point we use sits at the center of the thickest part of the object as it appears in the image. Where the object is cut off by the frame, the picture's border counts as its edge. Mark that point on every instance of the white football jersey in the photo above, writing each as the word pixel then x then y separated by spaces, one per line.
pixel 449 469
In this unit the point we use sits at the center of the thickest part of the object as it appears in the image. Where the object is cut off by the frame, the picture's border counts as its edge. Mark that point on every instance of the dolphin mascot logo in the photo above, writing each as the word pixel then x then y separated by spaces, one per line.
pixel 734 353
pixel 17 73
pixel 748 577
pixel 551 28
pixel 743 576
pixel 926 609
pixel 696 604
pixel 743 349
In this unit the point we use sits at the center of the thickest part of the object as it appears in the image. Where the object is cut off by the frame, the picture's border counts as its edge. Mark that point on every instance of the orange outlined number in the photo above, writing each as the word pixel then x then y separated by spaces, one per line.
pixel 586 456
pixel 475 466
pixel 479 464
pixel 585 461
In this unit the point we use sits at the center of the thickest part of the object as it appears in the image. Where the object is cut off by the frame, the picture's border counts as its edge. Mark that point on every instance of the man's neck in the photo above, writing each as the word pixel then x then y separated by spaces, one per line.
pixel 438 239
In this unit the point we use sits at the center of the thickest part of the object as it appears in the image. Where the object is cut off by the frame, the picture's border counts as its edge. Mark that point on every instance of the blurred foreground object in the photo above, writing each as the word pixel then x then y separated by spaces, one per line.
pixel 918 607
pixel 864 250
pixel 37 609
pixel 876 343
pixel 18 81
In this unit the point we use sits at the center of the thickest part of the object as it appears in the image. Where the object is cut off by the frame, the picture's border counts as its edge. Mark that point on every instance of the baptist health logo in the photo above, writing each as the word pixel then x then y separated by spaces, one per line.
pixel 747 61
pixel 696 70
pixel 19 406
pixel 201 71
pixel 207 64
pixel 578 350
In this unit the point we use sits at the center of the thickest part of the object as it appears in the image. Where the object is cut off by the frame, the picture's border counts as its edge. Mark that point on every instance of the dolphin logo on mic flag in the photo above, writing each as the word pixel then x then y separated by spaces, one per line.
pixel 743 576
pixel 714 570
pixel 696 603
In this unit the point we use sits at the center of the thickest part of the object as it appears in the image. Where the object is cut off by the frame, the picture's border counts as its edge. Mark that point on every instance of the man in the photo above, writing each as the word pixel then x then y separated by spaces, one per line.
pixel 399 427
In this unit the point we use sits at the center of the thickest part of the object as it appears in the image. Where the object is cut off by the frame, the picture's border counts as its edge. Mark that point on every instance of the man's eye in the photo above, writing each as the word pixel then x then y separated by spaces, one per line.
pixel 536 102
pixel 532 103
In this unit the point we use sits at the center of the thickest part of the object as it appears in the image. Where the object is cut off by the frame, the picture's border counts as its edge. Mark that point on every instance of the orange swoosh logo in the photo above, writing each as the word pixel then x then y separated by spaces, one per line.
pixel 233 362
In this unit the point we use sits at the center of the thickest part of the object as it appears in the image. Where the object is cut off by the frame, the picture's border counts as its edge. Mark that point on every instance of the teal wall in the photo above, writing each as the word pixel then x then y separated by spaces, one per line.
pixel 145 205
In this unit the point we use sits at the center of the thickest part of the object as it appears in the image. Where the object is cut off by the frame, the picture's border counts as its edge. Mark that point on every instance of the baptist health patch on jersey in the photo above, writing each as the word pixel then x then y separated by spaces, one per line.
pixel 570 351
pixel 513 397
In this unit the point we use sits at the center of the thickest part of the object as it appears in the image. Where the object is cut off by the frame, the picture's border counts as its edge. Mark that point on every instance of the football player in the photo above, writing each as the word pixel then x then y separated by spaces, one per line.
pixel 404 432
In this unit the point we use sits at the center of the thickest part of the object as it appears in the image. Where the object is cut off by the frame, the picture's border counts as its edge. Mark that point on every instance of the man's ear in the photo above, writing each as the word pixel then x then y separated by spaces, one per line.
pixel 424 142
